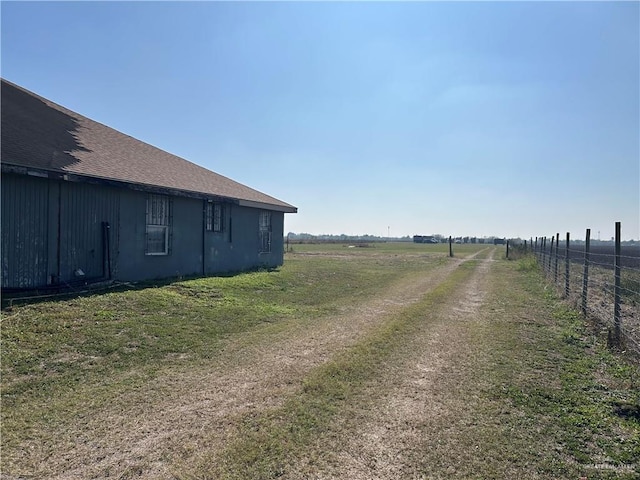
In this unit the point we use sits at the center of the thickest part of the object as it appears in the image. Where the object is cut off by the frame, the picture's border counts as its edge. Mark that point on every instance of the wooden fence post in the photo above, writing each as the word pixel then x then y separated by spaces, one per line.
pixel 507 249
pixel 585 274
pixel 567 268
pixel 617 320
pixel 450 247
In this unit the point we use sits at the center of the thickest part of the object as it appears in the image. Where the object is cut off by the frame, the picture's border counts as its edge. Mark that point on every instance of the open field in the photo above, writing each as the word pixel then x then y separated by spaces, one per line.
pixel 603 255
pixel 387 362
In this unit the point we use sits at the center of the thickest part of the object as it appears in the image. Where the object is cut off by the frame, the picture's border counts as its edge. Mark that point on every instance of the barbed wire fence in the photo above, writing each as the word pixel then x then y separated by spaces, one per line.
pixel 603 281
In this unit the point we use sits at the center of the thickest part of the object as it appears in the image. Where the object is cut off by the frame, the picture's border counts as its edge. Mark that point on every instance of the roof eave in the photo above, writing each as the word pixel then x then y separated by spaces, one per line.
pixel 268 206
pixel 74 177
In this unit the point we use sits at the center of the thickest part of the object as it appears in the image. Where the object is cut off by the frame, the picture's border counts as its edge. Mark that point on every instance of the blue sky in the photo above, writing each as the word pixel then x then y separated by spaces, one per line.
pixel 489 118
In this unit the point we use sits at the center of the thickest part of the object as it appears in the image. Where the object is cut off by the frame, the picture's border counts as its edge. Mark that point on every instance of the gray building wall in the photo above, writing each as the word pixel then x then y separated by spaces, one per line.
pixel 82 246
pixel 185 239
pixel 25 249
pixel 234 249
pixel 237 247
pixel 52 228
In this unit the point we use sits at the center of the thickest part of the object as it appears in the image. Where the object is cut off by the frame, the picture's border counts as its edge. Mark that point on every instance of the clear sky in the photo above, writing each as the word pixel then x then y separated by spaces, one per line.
pixel 480 119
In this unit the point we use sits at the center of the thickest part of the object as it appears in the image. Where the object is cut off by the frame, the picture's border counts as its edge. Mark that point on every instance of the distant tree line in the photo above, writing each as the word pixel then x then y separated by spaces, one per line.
pixel 292 237
pixel 435 238
pixel 331 238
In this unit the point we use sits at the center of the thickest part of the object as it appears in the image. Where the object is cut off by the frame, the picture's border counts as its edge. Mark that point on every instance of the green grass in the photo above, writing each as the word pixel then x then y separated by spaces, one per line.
pixel 119 330
pixel 393 248
pixel 560 384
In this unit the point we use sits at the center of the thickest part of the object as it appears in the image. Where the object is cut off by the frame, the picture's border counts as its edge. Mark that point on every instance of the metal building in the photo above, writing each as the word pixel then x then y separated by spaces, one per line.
pixel 83 202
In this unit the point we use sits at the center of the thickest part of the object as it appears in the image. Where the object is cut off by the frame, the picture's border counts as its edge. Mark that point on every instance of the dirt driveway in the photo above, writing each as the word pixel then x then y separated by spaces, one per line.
pixel 418 406
pixel 183 413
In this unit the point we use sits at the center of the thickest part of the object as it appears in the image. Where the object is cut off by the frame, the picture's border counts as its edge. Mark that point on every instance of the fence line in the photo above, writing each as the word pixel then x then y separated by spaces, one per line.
pixel 603 282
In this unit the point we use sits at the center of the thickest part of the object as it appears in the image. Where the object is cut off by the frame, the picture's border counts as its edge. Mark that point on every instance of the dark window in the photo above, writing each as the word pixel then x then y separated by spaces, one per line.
pixel 213 217
pixel 265 232
pixel 158 223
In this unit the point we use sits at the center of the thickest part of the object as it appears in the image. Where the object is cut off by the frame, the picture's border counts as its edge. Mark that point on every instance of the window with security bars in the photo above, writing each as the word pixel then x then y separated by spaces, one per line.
pixel 265 232
pixel 213 217
pixel 158 224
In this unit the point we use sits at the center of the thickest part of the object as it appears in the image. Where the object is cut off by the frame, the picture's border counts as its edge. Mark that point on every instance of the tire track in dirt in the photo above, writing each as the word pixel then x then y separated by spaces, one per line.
pixel 183 413
pixel 422 394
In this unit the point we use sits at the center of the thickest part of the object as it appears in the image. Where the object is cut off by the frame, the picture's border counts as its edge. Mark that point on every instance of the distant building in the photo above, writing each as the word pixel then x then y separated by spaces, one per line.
pixel 82 202
pixel 424 239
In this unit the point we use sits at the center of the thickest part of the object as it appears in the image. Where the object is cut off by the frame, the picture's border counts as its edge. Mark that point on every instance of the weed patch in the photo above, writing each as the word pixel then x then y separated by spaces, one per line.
pixel 527 263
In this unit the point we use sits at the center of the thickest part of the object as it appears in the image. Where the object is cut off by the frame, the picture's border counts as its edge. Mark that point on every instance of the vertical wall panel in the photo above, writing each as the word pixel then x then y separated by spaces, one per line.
pixel 83 209
pixel 24 231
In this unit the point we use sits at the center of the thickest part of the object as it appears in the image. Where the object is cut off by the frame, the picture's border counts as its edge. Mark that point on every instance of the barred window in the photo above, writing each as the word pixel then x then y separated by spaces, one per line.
pixel 265 232
pixel 213 217
pixel 158 223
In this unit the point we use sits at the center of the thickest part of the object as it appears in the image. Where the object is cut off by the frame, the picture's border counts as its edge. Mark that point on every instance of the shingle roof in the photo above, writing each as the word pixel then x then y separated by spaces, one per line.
pixel 40 134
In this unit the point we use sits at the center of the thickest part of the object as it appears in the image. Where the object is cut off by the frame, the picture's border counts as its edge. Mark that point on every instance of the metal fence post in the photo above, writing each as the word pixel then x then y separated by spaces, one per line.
pixel 450 247
pixel 567 268
pixel 617 320
pixel 585 275
pixel 547 254
pixel 555 263
pixel 551 253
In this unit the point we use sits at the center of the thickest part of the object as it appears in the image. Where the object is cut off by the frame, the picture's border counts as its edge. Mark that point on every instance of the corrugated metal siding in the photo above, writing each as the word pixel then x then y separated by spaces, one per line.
pixel 84 208
pixel 24 231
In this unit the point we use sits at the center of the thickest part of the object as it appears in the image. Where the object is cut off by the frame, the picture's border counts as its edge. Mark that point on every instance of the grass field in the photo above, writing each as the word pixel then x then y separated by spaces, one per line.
pixel 391 361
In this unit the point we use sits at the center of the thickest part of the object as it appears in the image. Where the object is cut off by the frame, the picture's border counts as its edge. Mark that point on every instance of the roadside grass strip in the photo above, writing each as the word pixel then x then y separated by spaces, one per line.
pixel 548 399
pixel 558 374
pixel 269 442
